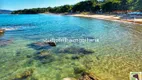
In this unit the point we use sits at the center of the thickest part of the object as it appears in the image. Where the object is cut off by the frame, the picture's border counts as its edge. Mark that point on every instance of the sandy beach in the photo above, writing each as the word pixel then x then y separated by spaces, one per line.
pixel 111 17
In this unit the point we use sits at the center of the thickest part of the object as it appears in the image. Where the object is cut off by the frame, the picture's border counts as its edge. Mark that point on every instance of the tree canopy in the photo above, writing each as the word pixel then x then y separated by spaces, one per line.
pixel 88 6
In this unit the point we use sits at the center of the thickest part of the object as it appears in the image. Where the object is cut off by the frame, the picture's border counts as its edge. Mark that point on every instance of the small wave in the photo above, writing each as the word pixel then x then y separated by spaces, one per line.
pixel 12 28
pixel 9 29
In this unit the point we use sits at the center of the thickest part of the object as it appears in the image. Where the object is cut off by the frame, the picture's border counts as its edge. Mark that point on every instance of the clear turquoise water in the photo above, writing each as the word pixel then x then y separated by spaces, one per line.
pixel 117 53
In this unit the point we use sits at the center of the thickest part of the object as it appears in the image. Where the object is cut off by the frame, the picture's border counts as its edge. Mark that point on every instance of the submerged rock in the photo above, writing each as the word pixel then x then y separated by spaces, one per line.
pixel 76 50
pixel 23 76
pixel 18 53
pixel 84 75
pixel 4 42
pixel 74 57
pixel 1 35
pixel 87 76
pixel 44 57
pixel 43 54
pixel 42 45
pixel 29 56
pixel 78 70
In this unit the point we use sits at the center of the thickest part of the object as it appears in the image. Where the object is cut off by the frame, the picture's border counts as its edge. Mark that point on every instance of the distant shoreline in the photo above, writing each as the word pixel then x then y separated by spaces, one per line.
pixel 118 18
pixel 109 17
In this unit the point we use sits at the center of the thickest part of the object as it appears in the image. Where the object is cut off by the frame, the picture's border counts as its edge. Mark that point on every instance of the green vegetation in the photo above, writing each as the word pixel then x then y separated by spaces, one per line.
pixel 91 6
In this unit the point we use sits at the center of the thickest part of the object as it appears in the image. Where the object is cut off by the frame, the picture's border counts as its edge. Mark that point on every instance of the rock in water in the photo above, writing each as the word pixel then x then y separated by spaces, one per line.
pixel 87 76
pixel 42 45
pixel 75 57
pixel 44 57
pixel 75 50
pixel 23 76
pixel 1 35
pixel 2 31
pixel 52 43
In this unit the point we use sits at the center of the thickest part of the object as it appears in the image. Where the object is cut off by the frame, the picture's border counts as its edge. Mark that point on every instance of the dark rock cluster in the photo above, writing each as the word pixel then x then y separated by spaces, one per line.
pixel 87 76
pixel 44 57
pixel 23 76
pixel 75 50
pixel 42 45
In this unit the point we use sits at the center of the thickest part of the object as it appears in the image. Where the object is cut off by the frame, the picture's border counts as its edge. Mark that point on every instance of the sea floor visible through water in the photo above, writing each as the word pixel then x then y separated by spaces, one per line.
pixel 24 55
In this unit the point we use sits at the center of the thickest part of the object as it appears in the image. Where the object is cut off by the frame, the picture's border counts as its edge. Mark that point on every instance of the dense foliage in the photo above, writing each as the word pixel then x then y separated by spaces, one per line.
pixel 92 6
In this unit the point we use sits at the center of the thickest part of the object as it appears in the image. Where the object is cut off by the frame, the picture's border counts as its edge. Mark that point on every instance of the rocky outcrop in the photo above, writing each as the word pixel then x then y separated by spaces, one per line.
pixel 79 70
pixel 75 57
pixel 87 76
pixel 42 45
pixel 2 31
pixel 51 43
pixel 23 76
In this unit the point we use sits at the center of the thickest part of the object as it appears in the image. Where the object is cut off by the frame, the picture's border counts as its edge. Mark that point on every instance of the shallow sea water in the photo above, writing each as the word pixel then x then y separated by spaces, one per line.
pixel 117 52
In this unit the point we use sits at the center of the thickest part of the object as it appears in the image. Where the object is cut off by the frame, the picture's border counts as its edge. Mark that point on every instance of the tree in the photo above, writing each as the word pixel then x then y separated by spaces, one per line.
pixel 138 5
pixel 66 8
pixel 110 6
pixel 88 6
pixel 83 6
pixel 124 4
pixel 96 8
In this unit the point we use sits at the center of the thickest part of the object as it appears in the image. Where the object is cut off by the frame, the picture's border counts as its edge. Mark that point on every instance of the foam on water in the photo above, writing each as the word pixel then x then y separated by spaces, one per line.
pixel 9 29
pixel 14 28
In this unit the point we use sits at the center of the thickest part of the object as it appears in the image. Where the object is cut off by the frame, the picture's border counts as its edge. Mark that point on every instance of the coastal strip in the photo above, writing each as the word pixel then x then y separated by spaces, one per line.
pixel 109 17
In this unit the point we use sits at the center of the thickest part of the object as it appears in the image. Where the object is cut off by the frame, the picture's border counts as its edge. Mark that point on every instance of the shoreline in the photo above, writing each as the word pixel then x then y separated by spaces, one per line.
pixel 110 18
pixel 117 18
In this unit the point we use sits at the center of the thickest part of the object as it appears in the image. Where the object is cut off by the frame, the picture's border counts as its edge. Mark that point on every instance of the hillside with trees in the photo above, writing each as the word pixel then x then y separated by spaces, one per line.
pixel 92 6
pixel 5 11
